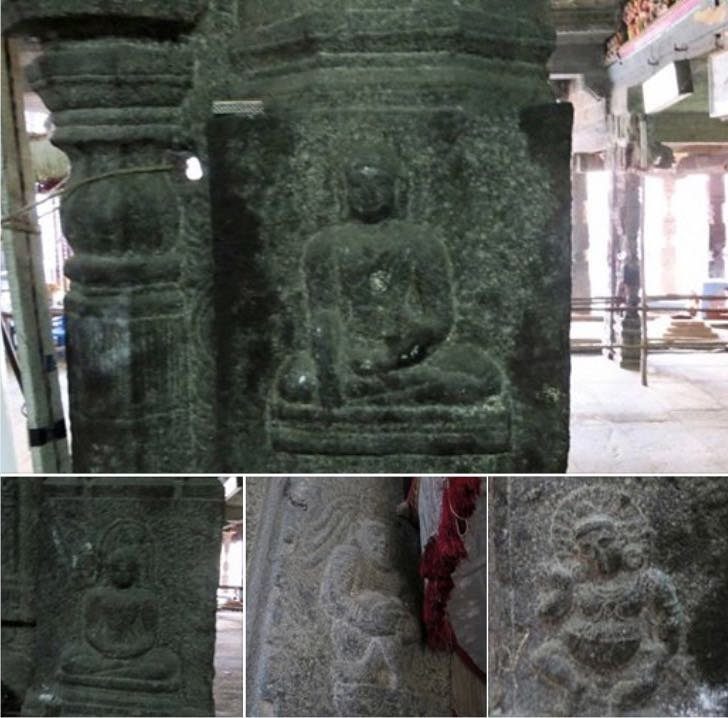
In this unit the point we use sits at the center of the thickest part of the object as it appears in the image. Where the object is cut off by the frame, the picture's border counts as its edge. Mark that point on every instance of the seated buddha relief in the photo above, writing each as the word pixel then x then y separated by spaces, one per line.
pixel 380 310
pixel 120 616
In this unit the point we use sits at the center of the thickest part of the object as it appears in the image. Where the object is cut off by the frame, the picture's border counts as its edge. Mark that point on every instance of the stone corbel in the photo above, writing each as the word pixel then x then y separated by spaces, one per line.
pixel 114 74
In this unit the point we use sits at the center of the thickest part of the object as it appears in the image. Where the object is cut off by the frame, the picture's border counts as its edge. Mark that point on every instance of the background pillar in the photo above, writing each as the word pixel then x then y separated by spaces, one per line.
pixel 580 287
pixel 716 190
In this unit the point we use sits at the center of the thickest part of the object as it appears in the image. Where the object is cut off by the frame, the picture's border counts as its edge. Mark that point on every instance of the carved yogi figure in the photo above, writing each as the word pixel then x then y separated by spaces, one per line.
pixel 371 625
pixel 618 621
pixel 120 631
pixel 380 305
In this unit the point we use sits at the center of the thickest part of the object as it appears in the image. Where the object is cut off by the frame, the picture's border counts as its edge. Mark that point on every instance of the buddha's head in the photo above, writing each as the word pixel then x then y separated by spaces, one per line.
pixel 371 179
pixel 599 543
pixel 123 567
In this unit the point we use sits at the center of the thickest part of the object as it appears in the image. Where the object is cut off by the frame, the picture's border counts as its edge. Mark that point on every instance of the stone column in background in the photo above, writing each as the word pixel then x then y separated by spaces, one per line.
pixel 427 330
pixel 716 191
pixel 114 75
pixel 668 256
pixel 626 207
pixel 333 602
pixel 126 590
pixel 606 596
pixel 580 288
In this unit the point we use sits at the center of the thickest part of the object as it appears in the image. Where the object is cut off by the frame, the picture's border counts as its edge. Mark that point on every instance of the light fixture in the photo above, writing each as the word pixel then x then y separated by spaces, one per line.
pixel 193 169
pixel 672 83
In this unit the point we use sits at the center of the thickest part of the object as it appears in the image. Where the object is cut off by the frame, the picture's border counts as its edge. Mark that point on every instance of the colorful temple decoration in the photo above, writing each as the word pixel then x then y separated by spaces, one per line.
pixel 636 17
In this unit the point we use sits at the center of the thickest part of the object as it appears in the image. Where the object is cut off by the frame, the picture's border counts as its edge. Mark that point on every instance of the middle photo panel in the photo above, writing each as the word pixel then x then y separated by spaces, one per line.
pixel 366 596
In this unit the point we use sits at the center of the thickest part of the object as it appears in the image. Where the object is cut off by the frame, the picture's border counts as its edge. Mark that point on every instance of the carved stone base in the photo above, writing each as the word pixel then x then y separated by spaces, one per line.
pixel 84 701
pixel 379 431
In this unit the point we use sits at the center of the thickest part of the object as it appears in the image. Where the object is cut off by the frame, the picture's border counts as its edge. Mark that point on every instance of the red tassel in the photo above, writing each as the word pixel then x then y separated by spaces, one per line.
pixel 441 556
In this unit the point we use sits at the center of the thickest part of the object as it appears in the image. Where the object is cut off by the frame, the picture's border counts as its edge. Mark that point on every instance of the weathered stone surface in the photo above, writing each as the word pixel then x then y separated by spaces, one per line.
pixel 398 336
pixel 199 319
pixel 126 584
pixel 606 596
pixel 333 597
pixel 20 519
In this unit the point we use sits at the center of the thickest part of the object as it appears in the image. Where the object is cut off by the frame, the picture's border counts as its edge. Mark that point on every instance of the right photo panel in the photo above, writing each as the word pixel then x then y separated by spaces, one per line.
pixel 608 596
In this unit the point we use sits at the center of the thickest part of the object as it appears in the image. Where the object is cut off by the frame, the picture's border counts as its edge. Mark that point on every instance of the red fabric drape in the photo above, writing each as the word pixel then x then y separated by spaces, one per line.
pixel 443 553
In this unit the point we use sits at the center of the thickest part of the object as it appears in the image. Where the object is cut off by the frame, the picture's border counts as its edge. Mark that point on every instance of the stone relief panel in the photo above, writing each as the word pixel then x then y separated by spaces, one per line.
pixel 127 585
pixel 620 611
pixel 372 629
pixel 373 335
pixel 379 322
pixel 120 618
pixel 338 632
pixel 615 620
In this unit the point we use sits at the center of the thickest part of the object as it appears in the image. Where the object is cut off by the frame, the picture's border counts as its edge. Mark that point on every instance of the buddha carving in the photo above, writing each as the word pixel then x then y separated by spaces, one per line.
pixel 120 625
pixel 617 621
pixel 380 308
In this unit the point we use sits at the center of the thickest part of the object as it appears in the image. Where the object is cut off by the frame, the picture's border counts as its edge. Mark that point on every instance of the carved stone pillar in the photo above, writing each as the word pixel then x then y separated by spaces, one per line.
pixel 126 591
pixel 332 611
pixel 580 287
pixel 429 332
pixel 716 190
pixel 610 602
pixel 668 257
pixel 114 75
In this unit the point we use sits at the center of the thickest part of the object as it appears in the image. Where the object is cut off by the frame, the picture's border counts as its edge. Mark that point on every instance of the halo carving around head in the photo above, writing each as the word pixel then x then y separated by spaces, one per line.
pixel 600 503
pixel 132 535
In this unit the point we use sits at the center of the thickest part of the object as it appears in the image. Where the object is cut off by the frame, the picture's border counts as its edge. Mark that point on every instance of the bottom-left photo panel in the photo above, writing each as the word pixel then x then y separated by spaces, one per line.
pixel 122 596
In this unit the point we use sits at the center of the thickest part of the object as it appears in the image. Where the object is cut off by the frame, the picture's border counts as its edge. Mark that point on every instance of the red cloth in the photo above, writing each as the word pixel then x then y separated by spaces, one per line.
pixel 443 553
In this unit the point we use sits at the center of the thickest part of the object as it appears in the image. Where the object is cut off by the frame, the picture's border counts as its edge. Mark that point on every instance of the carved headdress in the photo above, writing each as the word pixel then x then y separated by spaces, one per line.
pixel 133 536
pixel 596 506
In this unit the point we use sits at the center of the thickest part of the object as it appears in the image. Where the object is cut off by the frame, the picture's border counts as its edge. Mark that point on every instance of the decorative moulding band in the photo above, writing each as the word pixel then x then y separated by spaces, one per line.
pixel 112 74
pixel 93 18
pixel 491 34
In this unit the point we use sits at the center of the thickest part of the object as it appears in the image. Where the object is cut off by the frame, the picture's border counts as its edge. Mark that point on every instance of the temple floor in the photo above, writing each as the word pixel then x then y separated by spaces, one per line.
pixel 228 684
pixel 677 424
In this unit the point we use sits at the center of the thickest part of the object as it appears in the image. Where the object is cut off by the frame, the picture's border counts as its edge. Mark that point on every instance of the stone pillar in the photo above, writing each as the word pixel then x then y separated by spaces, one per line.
pixel 562 640
pixel 580 287
pixel 126 590
pixel 333 607
pixel 449 350
pixel 668 256
pixel 114 75
pixel 20 524
pixel 716 190
pixel 626 199
pixel 629 211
